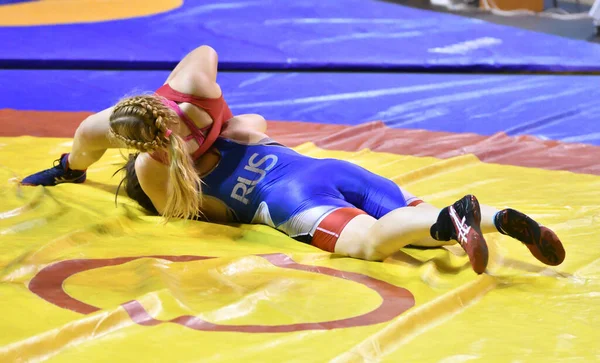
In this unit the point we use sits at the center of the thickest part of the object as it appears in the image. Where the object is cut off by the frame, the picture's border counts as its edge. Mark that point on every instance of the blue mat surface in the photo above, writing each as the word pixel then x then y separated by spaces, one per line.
pixel 306 34
pixel 562 108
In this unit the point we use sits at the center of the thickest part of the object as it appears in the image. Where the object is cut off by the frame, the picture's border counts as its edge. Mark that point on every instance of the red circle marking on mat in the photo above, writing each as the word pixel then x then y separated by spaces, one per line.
pixel 48 283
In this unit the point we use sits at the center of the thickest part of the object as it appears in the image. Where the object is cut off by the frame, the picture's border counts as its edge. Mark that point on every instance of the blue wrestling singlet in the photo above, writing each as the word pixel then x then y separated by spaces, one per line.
pixel 271 184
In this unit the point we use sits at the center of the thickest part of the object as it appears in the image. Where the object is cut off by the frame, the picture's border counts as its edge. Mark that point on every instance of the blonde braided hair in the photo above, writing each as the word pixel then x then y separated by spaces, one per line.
pixel 152 112
pixel 141 122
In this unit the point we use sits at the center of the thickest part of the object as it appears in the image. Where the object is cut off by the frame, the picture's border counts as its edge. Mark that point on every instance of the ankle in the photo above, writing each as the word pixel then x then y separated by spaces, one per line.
pixel 497 219
pixel 68 164
pixel 442 229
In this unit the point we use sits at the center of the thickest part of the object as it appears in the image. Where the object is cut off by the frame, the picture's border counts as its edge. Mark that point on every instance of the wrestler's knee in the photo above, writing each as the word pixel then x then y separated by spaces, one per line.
pixel 93 133
pixel 358 239
pixel 90 131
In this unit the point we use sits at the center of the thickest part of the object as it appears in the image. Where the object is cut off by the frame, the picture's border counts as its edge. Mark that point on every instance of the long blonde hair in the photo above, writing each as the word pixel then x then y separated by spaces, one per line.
pixel 141 122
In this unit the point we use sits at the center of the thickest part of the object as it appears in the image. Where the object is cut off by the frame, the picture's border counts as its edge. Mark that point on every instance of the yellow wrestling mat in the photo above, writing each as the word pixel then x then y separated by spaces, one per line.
pixel 85 281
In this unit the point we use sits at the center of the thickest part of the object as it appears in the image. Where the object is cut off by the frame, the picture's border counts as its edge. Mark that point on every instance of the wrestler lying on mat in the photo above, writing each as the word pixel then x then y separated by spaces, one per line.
pixel 351 212
pixel 190 94
pixel 335 205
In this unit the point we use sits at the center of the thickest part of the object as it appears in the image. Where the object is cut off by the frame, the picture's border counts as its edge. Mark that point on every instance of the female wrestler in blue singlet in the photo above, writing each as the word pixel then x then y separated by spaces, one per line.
pixel 333 204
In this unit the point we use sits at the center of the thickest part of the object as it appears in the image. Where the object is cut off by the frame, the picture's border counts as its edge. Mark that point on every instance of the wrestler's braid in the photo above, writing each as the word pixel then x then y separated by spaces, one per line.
pixel 141 122
pixel 152 112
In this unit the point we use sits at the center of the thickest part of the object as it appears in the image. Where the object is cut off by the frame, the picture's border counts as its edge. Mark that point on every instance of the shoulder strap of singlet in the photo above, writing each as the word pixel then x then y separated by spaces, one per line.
pixel 195 133
pixel 217 109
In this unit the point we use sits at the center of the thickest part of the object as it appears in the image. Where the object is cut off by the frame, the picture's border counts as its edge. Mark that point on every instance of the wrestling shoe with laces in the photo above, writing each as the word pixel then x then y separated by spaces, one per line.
pixel 461 222
pixel 60 173
pixel 542 242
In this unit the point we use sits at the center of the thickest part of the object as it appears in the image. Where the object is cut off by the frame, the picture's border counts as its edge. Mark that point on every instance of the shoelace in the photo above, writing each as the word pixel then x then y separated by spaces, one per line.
pixel 57 163
pixel 52 170
pixel 463 228
pixel 58 168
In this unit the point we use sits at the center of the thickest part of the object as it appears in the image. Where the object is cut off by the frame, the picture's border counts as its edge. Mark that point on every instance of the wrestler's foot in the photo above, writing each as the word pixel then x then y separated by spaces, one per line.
pixel 466 218
pixel 60 173
pixel 461 222
pixel 543 243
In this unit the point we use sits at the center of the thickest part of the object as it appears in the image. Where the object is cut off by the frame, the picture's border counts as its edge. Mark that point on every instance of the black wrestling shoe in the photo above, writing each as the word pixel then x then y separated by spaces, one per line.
pixel 542 242
pixel 461 222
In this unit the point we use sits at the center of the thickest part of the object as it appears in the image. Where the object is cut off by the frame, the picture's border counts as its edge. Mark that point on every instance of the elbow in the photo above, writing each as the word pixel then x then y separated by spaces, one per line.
pixel 260 124
pixel 209 51
pixel 209 55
